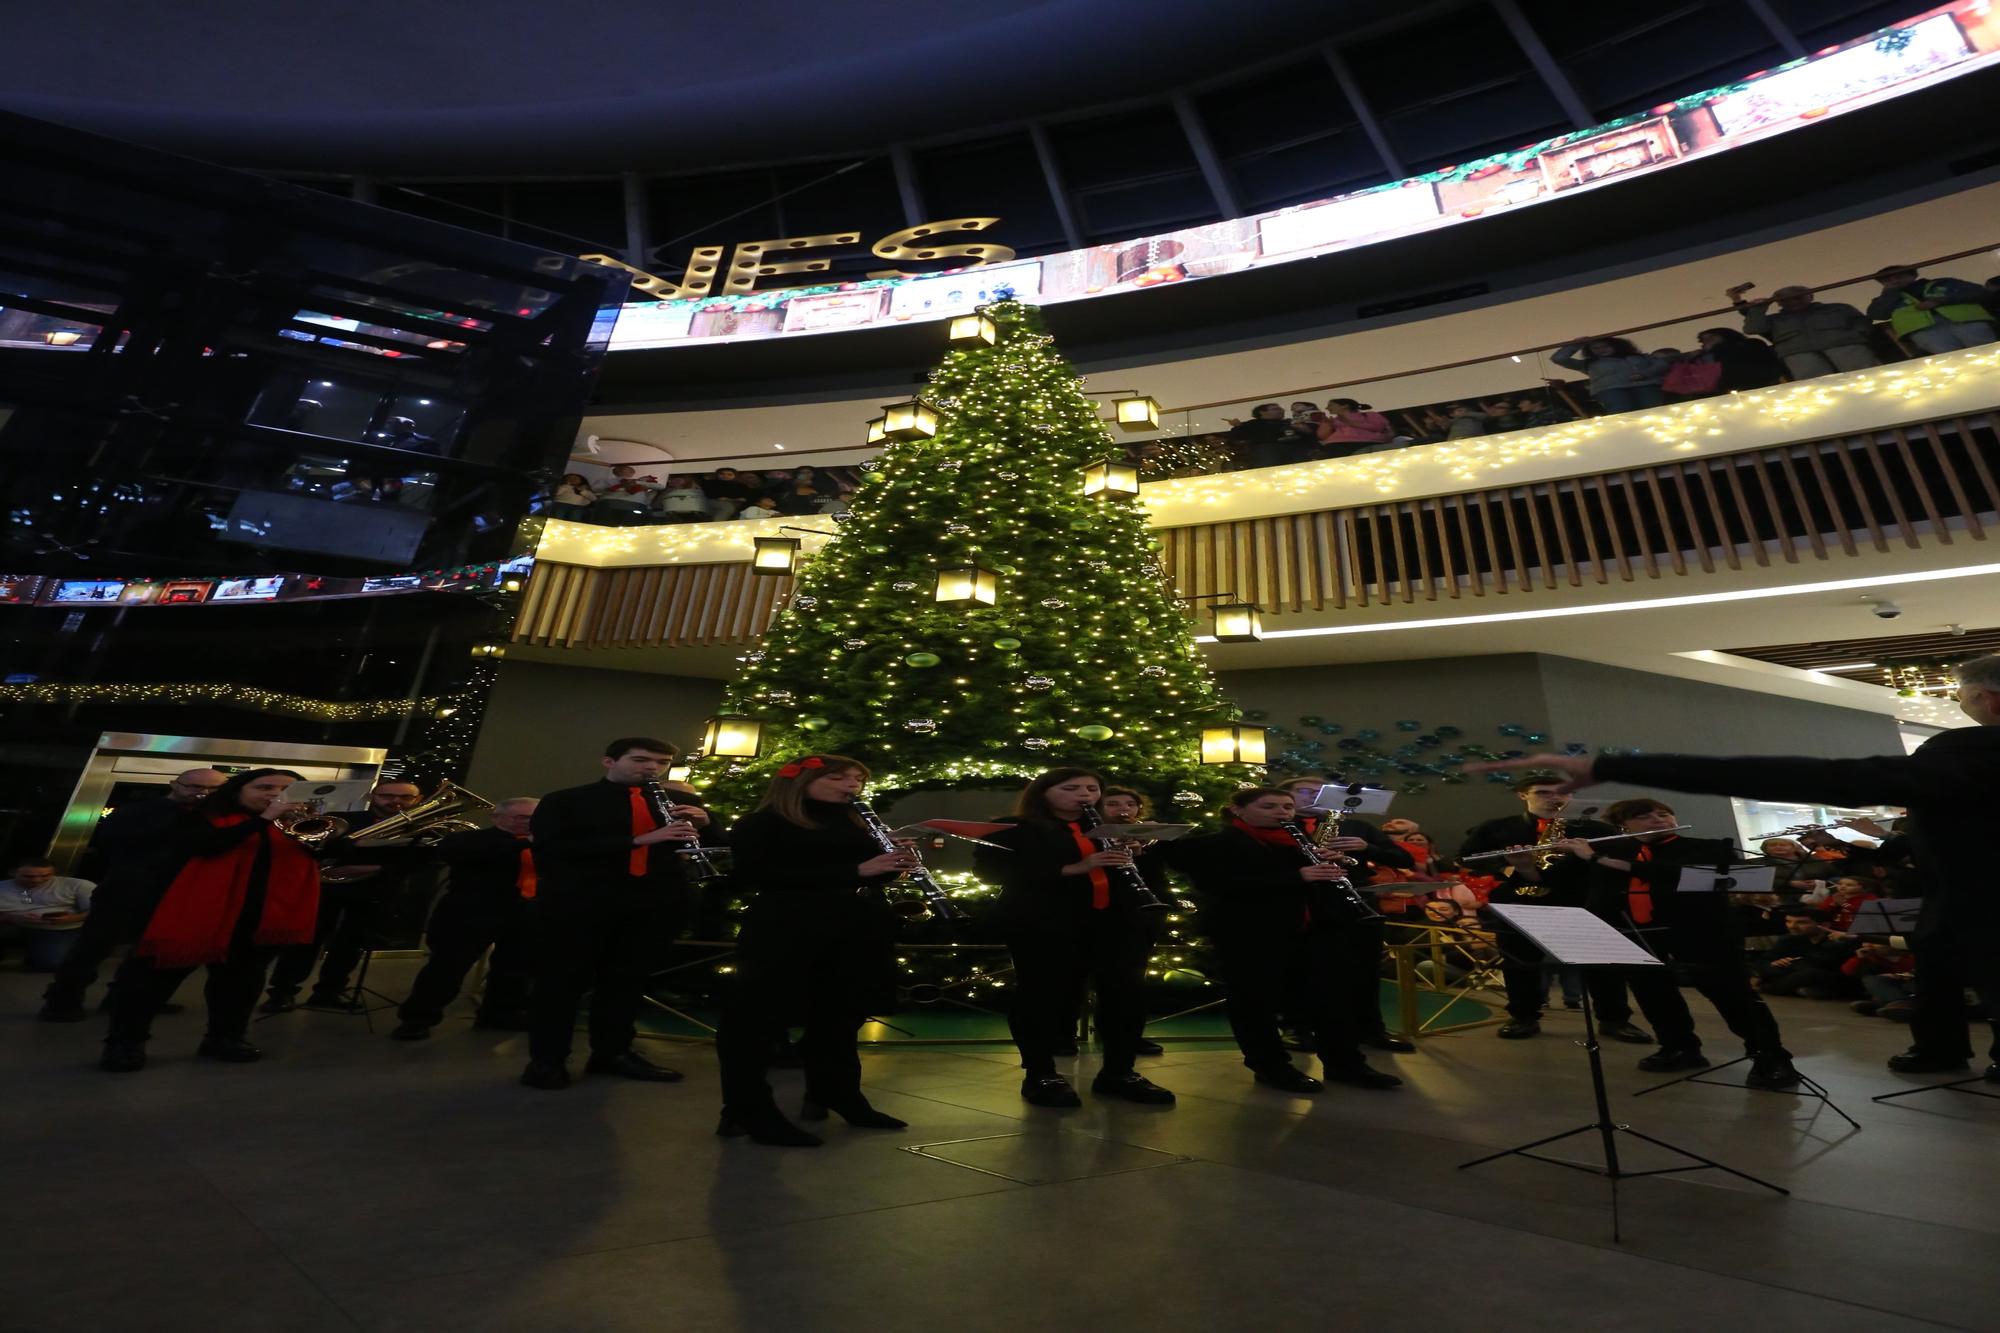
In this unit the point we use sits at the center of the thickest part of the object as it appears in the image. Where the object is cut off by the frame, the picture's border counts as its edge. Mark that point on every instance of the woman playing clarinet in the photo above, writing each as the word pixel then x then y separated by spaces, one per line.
pixel 1065 921
pixel 817 949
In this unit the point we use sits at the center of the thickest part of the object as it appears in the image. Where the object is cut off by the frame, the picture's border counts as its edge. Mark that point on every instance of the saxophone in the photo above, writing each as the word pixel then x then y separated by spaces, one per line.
pixel 1555 832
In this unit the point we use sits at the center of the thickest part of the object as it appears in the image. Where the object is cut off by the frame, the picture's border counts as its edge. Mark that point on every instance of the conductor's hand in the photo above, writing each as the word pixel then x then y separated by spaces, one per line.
pixel 693 814
pixel 1315 874
pixel 1099 860
pixel 675 832
pixel 1345 845
pixel 1575 770
pixel 888 863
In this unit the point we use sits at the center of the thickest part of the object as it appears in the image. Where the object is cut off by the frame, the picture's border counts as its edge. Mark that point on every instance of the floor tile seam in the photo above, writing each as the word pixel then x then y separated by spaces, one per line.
pixel 278 1246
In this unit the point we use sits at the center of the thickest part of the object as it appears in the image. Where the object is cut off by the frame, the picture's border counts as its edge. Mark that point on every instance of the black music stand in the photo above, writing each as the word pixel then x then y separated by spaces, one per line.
pixel 1573 937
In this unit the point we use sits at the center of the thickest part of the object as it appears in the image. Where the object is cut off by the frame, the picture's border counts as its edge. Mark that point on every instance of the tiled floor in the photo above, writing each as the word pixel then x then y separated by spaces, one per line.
pixel 353 1183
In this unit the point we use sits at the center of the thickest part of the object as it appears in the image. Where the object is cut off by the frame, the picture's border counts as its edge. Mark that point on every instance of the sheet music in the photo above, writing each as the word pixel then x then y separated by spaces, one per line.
pixel 1889 916
pixel 1573 936
pixel 1345 798
pixel 1743 879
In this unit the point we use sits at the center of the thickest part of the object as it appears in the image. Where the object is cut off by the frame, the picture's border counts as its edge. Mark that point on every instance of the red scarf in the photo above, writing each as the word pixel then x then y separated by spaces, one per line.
pixel 642 822
pixel 1639 892
pixel 1100 883
pixel 1277 837
pixel 197 916
pixel 524 878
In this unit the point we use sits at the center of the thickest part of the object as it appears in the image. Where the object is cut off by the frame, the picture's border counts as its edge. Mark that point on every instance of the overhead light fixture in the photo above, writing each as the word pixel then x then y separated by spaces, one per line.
pixel 732 736
pixel 913 420
pixel 1137 413
pixel 1844 666
pixel 1238 622
pixel 967 587
pixel 1110 479
pixel 774 555
pixel 62 337
pixel 974 328
pixel 1233 744
pixel 484 650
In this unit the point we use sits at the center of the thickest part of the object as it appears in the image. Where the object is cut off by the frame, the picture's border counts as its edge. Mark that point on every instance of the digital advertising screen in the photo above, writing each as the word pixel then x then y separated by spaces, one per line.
pixel 250 590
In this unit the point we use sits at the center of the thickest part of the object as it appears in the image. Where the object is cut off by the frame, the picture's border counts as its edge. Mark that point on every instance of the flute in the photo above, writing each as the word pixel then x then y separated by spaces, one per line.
pixel 1608 837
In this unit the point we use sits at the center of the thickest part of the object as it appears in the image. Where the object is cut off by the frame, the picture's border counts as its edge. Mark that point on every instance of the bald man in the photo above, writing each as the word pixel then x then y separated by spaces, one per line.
pixel 133 861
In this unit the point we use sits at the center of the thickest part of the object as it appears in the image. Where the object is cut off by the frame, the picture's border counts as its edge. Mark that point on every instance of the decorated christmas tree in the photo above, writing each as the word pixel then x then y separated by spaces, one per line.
pixel 978 617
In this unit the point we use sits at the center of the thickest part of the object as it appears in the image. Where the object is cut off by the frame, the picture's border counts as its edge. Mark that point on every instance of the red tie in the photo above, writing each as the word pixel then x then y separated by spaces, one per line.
pixel 1100 883
pixel 524 878
pixel 1639 893
pixel 642 822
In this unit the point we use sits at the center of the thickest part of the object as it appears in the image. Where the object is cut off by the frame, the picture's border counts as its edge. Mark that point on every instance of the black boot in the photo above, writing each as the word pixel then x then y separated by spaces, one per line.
pixel 1385 1040
pixel 547 1077
pixel 408 1031
pixel 631 1064
pixel 1049 1090
pixel 1773 1070
pixel 123 1057
pixel 1666 1060
pixel 763 1124
pixel 1514 1029
pixel 229 1050
pixel 1132 1087
pixel 855 1110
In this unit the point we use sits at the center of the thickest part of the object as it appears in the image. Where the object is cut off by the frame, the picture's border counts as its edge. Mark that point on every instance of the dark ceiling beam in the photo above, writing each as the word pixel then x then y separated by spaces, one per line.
pixel 1371 126
pixel 1212 169
pixel 638 223
pixel 1544 63
pixel 1059 195
pixel 909 191
pixel 1787 39
pixel 363 190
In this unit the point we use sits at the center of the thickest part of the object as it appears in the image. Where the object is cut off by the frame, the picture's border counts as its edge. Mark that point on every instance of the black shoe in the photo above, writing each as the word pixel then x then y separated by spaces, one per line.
pixel 1133 1087
pixel 1147 1046
pixel 763 1126
pixel 1866 1008
pixel 1389 1041
pixel 123 1057
pixel 547 1077
pixel 1992 1073
pixel 229 1050
pixel 1517 1029
pixel 631 1064
pixel 1572 1004
pixel 1774 1071
pixel 1049 1090
pixel 1625 1032
pixel 856 1112
pixel 328 999
pixel 1916 1062
pixel 1667 1059
pixel 278 1002
pixel 501 1022
pixel 50 1013
pixel 1063 1048
pixel 1290 1078
pixel 1361 1076
pixel 411 1032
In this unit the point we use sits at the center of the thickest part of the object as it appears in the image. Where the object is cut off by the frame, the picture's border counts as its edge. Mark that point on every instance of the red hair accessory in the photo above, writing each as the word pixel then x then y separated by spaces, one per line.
pixel 798 766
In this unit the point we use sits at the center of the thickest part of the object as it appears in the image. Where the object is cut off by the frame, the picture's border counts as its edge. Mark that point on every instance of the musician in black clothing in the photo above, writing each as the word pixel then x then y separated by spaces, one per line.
pixel 1357 974
pixel 355 897
pixel 1947 786
pixel 133 858
pixel 1565 883
pixel 1281 943
pixel 817 949
pixel 1633 885
pixel 1123 805
pixel 609 894
pixel 485 906
pixel 1065 920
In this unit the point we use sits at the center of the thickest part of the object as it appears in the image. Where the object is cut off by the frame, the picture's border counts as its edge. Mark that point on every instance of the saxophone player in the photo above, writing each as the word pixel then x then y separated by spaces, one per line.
pixel 1565 882
pixel 610 893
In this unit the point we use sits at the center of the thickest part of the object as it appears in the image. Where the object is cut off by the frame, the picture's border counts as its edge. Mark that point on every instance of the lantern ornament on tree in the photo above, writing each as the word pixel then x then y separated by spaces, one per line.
pixel 1233 743
pixel 774 555
pixel 977 327
pixel 1136 413
pixel 967 587
pixel 732 736
pixel 1110 479
pixel 913 420
pixel 1238 622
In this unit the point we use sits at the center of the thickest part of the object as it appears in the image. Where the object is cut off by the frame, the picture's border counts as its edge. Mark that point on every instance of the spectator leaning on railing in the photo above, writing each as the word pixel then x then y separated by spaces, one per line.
pixel 1932 314
pixel 1352 428
pixel 1812 337
pixel 1622 378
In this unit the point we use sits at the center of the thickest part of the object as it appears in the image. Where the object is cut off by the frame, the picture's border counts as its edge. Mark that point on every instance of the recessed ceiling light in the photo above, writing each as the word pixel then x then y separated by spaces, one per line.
pixel 777 446
pixel 1844 666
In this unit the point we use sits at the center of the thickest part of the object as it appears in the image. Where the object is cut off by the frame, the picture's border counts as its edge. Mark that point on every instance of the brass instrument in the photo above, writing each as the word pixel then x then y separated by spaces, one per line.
pixel 423 825
pixel 311 827
pixel 1330 899
pixel 697 862
pixel 1131 883
pixel 1555 831
pixel 913 893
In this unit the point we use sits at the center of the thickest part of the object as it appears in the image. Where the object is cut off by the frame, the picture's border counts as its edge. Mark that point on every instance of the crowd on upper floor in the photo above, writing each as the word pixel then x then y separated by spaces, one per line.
pixel 630 493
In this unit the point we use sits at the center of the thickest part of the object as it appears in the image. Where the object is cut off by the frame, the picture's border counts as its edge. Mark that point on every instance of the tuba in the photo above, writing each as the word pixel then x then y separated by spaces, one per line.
pixel 422 825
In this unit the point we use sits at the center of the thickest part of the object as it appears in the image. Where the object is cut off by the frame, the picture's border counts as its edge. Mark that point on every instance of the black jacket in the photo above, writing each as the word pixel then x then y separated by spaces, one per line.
pixel 485 868
pixel 1382 849
pixel 1246 887
pixel 1027 865
pixel 816 932
pixel 134 851
pixel 1818 955
pixel 1947 786
pixel 1568 880
pixel 583 846
pixel 1701 914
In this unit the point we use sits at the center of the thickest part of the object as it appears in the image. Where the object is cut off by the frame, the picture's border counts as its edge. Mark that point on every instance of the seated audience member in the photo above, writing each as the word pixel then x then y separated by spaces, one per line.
pixel 761 507
pixel 727 492
pixel 1396 826
pixel 1267 439
pixel 800 500
pixel 1352 428
pixel 682 501
pixel 1799 872
pixel 1541 410
pixel 1842 899
pixel 1888 975
pixel 1933 314
pixel 1807 960
pixel 572 498
pixel 1622 378
pixel 1811 337
pixel 44 910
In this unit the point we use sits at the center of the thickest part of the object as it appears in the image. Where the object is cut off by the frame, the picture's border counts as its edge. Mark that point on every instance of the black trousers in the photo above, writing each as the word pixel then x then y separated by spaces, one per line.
pixel 349 917
pixel 1527 982
pixel 114 919
pixel 1052 962
pixel 1946 966
pixel 755 1018
pixel 461 930
pixel 1355 971
pixel 1714 967
pixel 1267 971
pixel 607 945
pixel 140 988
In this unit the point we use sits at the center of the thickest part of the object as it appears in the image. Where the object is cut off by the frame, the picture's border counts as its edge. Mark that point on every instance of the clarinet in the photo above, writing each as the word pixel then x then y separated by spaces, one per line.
pixel 1132 885
pixel 694 857
pixel 1332 897
pixel 930 901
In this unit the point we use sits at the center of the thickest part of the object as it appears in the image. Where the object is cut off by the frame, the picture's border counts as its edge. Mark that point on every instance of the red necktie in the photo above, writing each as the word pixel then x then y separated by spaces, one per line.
pixel 1639 893
pixel 1100 883
pixel 524 877
pixel 642 822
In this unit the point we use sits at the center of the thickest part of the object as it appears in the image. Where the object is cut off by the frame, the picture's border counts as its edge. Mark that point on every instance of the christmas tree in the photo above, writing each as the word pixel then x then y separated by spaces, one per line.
pixel 1084 655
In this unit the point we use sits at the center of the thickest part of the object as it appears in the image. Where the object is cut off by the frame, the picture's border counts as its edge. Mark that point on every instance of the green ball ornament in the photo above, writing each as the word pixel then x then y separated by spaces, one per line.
pixel 923 659
pixel 1006 645
pixel 815 723
pixel 1142 621
pixel 1095 731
